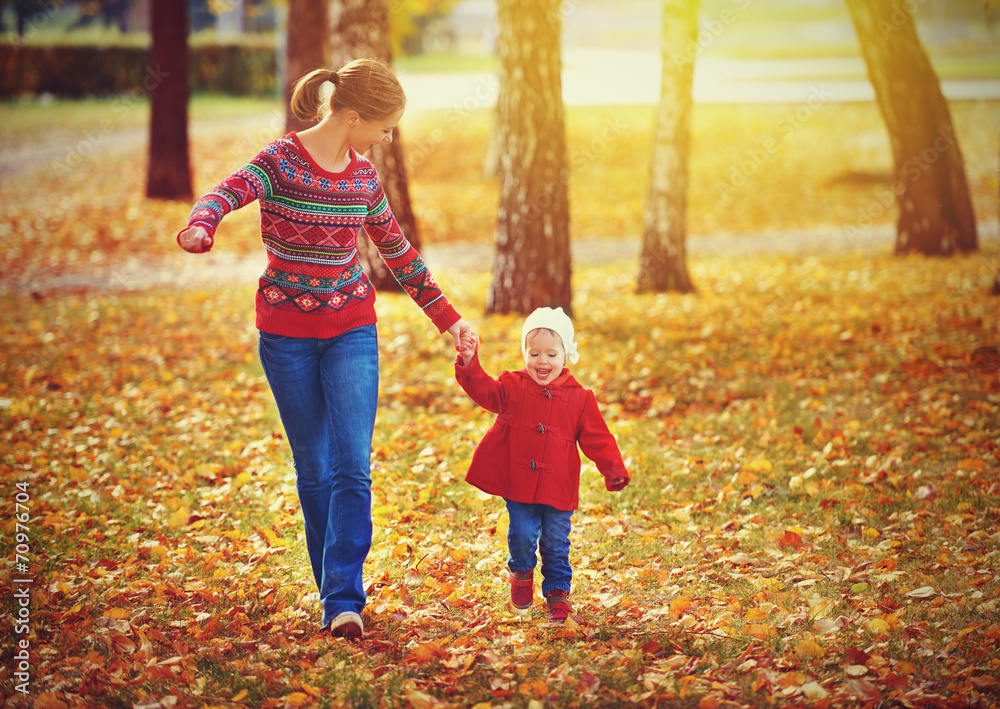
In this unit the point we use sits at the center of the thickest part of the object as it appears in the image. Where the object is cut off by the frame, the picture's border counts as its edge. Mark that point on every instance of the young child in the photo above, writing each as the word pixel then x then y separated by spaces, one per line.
pixel 530 458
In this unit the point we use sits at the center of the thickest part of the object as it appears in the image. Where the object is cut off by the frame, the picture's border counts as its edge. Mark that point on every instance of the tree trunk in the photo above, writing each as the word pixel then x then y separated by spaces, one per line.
pixel 169 172
pixel 305 50
pixel 533 266
pixel 360 28
pixel 935 210
pixel 664 256
pixel 996 278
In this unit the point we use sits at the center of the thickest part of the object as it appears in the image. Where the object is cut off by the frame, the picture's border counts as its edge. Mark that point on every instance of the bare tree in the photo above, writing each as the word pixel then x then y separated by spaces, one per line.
pixel 169 171
pixel 664 256
pixel 360 28
pixel 935 210
pixel 305 49
pixel 533 266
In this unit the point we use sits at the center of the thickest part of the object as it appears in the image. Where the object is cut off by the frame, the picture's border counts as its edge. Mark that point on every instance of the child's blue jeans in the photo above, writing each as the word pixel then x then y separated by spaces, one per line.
pixel 541 527
pixel 327 391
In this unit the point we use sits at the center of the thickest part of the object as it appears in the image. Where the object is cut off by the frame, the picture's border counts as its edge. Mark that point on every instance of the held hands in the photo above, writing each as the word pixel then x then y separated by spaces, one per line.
pixel 616 484
pixel 195 240
pixel 464 337
pixel 468 347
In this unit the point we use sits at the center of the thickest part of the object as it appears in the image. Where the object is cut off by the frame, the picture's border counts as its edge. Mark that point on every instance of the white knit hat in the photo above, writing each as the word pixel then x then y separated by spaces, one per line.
pixel 557 321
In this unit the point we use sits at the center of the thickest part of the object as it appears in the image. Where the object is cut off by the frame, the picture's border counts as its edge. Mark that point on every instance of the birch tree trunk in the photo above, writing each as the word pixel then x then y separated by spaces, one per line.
pixel 169 169
pixel 935 210
pixel 996 278
pixel 532 266
pixel 305 50
pixel 360 28
pixel 663 265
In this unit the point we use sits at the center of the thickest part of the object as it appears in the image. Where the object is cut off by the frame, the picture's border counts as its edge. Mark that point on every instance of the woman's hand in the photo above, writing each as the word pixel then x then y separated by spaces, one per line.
pixel 460 330
pixel 195 240
pixel 469 347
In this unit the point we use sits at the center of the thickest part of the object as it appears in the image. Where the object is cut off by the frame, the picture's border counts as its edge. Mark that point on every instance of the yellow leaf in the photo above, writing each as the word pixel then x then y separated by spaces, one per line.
pixel 179 518
pixel 759 465
pixel 807 648
pixel 298 699
pixel 239 696
pixel 878 625
pixel 116 613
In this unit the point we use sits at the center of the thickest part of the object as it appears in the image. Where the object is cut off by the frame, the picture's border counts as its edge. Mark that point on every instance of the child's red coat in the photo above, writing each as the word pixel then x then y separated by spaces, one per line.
pixel 530 454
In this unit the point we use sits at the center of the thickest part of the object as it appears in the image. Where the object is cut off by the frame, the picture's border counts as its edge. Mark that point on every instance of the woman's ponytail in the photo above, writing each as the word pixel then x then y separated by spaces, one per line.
pixel 306 97
pixel 367 86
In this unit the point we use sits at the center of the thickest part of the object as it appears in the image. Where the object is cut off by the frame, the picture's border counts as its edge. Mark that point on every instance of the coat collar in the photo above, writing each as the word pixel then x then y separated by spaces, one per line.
pixel 564 380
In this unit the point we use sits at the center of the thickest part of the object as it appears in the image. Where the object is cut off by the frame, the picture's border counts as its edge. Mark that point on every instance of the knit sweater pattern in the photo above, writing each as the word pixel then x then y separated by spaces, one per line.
pixel 310 220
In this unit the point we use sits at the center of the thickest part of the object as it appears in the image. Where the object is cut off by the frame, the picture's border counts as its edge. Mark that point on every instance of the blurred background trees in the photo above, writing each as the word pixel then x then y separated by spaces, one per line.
pixel 240 47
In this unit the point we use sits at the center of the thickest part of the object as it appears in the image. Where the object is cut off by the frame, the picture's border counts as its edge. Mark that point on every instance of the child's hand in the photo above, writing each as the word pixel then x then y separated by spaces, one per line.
pixel 616 484
pixel 467 346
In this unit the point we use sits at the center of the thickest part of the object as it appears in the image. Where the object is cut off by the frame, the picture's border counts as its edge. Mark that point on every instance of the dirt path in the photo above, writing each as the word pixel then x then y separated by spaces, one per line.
pixel 201 271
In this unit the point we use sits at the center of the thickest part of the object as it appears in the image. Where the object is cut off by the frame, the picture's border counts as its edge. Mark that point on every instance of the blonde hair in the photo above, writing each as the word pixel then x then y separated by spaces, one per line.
pixel 367 86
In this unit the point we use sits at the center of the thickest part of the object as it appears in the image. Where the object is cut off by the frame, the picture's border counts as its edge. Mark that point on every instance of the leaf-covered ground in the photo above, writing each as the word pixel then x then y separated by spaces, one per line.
pixel 813 519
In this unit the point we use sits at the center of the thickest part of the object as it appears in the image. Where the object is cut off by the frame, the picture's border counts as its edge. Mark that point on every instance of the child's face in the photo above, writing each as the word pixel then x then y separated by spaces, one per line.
pixel 544 356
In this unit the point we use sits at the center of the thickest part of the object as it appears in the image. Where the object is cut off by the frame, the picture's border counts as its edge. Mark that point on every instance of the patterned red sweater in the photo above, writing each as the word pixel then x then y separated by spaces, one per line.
pixel 310 220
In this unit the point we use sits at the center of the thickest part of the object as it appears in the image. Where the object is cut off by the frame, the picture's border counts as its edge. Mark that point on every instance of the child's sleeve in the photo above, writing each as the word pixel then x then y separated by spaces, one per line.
pixel 481 387
pixel 598 444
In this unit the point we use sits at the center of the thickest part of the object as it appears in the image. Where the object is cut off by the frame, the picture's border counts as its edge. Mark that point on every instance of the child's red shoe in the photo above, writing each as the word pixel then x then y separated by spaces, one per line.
pixel 559 606
pixel 522 589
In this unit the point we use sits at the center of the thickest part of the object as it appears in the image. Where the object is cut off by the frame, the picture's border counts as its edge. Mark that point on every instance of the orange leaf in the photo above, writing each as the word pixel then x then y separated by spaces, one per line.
pixel 425 652
pixel 678 606
pixel 790 539
pixel 116 613
pixel 761 631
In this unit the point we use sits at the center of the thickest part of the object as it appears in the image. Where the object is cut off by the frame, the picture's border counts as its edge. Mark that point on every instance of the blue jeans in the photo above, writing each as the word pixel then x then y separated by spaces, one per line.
pixel 547 529
pixel 327 392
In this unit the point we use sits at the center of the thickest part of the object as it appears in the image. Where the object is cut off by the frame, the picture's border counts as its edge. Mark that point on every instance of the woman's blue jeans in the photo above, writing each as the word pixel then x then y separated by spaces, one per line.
pixel 327 392
pixel 541 527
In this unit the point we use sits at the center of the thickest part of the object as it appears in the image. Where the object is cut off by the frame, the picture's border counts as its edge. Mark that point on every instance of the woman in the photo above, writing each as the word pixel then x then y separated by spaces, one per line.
pixel 315 306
